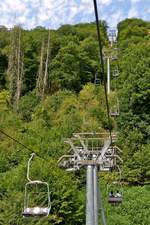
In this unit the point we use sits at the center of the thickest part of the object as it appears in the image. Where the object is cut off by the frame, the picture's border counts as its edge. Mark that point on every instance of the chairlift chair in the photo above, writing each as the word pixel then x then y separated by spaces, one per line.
pixel 114 57
pixel 97 81
pixel 115 49
pixel 115 200
pixel 115 73
pixel 105 167
pixel 117 197
pixel 33 189
pixel 115 110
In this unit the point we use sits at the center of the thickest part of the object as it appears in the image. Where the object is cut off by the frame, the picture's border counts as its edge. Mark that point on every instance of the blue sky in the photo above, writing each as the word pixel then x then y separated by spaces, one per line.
pixel 53 13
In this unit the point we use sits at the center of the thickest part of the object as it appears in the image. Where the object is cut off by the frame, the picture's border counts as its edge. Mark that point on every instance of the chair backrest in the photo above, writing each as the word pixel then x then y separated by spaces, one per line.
pixel 37 185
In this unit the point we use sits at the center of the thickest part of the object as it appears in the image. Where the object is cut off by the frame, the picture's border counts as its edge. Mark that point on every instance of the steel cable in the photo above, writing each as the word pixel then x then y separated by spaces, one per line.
pixel 101 61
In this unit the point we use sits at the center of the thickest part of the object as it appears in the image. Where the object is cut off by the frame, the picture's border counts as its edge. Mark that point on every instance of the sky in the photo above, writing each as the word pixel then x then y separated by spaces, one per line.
pixel 54 13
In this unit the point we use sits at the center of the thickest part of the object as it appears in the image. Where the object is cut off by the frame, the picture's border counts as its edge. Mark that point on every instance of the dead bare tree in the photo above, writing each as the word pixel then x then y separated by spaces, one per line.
pixel 19 71
pixel 39 82
pixel 42 85
pixel 45 80
pixel 15 67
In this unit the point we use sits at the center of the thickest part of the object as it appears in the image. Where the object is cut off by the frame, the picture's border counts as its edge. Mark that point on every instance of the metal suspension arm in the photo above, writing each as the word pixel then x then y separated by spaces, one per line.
pixel 107 144
pixel 68 141
pixel 81 141
pixel 28 168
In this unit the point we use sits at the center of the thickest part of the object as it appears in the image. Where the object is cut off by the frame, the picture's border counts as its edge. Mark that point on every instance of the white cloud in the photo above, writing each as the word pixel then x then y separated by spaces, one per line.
pixel 32 13
pixel 133 12
pixel 16 5
pixel 114 17
pixel 105 2
pixel 134 1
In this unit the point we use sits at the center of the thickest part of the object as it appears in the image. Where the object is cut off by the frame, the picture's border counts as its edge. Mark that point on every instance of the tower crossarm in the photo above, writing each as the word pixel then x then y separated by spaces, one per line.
pixel 81 141
pixel 106 146
pixel 73 147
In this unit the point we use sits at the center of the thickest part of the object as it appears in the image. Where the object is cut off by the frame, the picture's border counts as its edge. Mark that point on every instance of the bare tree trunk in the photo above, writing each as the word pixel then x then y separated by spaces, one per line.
pixel 11 66
pixel 19 75
pixel 45 80
pixel 39 82
pixel 42 78
pixel 15 67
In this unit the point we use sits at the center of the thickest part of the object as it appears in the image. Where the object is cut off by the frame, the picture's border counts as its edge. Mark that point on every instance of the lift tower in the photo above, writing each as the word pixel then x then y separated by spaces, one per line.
pixel 95 152
pixel 112 34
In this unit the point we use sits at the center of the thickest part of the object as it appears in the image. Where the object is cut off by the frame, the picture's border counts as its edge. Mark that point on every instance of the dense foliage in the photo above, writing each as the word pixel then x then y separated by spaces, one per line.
pixel 134 91
pixel 74 104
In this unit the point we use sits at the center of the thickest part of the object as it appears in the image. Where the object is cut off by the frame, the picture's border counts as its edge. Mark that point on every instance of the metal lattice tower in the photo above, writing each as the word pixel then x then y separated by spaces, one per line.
pixel 94 152
pixel 112 36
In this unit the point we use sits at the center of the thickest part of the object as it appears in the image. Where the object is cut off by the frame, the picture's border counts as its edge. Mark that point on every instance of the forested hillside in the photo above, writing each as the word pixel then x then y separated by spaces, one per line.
pixel 48 92
pixel 134 91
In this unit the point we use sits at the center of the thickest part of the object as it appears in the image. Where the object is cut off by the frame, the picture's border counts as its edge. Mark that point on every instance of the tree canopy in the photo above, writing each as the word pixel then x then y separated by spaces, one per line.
pixel 72 103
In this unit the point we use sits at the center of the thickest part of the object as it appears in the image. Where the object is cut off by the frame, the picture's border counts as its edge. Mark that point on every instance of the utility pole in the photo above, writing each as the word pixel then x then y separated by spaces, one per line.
pixel 112 37
pixel 108 75
pixel 94 152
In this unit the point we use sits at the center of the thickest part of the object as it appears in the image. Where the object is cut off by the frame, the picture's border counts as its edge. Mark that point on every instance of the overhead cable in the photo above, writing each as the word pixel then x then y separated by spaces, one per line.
pixel 101 62
pixel 12 138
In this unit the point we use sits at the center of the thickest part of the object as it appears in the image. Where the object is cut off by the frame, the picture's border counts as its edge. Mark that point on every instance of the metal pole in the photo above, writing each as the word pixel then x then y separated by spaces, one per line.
pixel 95 182
pixel 101 207
pixel 89 196
pixel 111 42
pixel 28 168
pixel 108 75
